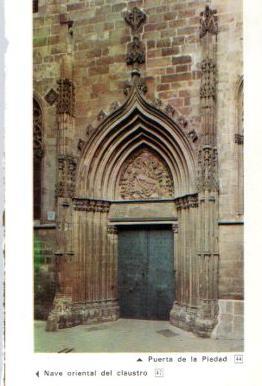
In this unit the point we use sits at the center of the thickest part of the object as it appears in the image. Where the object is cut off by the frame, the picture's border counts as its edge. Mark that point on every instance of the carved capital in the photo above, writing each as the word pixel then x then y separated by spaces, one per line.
pixel 208 22
pixel 91 205
pixel 185 202
pixel 112 229
pixel 135 19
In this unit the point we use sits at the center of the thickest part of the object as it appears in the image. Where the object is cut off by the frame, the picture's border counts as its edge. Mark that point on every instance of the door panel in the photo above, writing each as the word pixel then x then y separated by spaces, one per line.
pixel 132 266
pixel 145 272
pixel 160 273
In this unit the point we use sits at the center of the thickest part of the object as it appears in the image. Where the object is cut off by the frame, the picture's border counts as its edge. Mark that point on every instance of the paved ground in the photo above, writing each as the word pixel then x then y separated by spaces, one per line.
pixel 128 335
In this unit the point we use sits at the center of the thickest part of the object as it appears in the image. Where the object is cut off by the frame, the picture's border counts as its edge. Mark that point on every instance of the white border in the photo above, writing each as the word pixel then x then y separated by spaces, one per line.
pixel 21 363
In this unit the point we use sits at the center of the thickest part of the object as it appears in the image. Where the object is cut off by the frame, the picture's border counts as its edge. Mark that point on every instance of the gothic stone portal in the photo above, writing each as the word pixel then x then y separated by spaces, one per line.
pixel 145 272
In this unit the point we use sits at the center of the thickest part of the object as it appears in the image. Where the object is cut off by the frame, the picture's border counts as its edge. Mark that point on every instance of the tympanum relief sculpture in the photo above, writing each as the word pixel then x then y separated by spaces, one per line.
pixel 145 176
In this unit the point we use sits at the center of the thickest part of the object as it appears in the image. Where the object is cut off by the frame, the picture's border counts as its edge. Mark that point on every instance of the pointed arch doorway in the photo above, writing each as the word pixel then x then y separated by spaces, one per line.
pixel 131 173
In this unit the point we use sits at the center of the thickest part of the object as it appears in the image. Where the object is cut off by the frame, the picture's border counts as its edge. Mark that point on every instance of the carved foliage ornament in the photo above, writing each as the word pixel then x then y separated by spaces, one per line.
pixel 189 201
pixel 145 176
pixel 66 176
pixel 140 85
pixel 91 205
pixel 136 52
pixel 135 18
pixel 37 130
pixel 208 80
pixel 207 169
pixel 66 97
pixel 208 22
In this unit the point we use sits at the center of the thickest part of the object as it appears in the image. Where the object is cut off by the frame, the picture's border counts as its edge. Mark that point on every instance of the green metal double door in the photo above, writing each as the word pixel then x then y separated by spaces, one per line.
pixel 145 272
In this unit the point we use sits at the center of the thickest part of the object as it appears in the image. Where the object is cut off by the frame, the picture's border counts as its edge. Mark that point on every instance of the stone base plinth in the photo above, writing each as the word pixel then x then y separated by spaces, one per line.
pixel 183 316
pixel 189 319
pixel 230 320
pixel 82 313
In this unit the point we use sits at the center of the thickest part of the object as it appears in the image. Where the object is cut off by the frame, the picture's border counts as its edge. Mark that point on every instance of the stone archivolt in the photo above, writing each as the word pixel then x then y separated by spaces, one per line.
pixel 136 125
pixel 145 176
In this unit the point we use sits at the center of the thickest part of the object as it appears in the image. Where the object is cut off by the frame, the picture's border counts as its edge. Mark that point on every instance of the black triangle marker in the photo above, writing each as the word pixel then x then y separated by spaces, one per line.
pixel 139 360
pixel 37 373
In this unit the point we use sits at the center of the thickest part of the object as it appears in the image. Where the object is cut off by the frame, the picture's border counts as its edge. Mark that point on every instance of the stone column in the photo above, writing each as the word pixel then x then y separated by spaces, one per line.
pixel 207 183
pixel 183 313
pixel 60 315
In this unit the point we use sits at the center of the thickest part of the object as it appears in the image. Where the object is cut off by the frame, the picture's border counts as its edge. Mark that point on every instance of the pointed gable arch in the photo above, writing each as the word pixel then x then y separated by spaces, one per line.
pixel 136 124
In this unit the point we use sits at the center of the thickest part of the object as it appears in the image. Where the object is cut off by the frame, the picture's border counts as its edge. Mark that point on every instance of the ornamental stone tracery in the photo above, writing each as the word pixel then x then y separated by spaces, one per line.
pixel 145 176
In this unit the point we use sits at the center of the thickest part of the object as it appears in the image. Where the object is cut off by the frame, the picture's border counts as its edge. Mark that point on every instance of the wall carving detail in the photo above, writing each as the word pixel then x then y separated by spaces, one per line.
pixel 135 18
pixel 145 176
pixel 37 130
pixel 66 97
pixel 66 176
pixel 208 22
pixel 207 169
pixel 135 52
pixel 140 85
pixel 89 205
pixel 189 201
pixel 208 80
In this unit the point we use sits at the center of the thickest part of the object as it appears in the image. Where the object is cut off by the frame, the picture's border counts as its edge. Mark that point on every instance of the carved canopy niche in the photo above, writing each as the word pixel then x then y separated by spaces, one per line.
pixel 145 176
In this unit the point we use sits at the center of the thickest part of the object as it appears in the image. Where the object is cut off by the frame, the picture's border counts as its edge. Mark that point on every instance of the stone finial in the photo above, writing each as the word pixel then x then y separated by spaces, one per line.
pixel 208 22
pixel 136 52
pixel 135 18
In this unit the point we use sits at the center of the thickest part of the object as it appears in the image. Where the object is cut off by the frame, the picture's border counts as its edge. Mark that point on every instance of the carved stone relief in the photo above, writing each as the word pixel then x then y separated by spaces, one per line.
pixel 207 169
pixel 66 97
pixel 91 205
pixel 145 176
pixel 135 18
pixel 208 80
pixel 208 22
pixel 66 176
pixel 135 52
pixel 37 130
